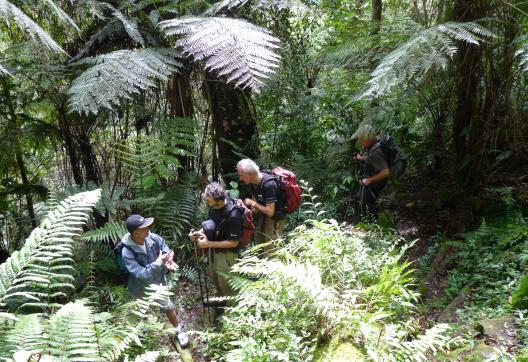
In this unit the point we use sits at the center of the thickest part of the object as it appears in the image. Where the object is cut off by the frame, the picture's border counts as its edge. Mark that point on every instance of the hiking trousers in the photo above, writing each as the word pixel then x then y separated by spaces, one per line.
pixel 268 229
pixel 365 208
pixel 221 262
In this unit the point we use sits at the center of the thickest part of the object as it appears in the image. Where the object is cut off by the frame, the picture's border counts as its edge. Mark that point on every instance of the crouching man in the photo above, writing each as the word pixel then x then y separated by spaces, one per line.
pixel 147 258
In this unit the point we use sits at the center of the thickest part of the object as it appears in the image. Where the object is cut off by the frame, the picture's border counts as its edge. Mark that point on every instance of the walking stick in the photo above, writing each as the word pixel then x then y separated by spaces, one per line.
pixel 199 274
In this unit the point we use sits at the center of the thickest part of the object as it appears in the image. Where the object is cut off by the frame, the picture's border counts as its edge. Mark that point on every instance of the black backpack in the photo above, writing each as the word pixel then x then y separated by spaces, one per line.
pixel 122 271
pixel 394 156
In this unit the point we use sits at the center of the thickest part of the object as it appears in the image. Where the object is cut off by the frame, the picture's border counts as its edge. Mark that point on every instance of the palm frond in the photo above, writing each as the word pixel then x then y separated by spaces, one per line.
pixel 120 74
pixel 243 52
pixel 26 24
pixel 42 269
pixel 429 49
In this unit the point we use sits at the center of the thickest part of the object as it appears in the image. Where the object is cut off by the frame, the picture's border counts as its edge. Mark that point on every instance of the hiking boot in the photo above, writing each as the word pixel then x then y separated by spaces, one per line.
pixel 181 336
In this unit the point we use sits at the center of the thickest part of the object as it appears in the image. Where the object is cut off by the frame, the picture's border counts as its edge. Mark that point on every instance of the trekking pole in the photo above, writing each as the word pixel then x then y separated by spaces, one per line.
pixel 206 291
pixel 199 275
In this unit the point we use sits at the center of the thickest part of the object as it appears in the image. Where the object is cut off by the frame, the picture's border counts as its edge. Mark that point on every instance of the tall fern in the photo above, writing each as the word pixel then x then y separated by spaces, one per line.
pixel 76 333
pixel 430 49
pixel 41 270
pixel 243 52
pixel 120 74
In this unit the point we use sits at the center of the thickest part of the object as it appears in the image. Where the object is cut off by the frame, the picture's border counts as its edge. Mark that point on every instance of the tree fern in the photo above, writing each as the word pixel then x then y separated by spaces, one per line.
pixel 9 11
pixel 429 49
pixel 42 268
pixel 118 75
pixel 230 6
pixel 241 51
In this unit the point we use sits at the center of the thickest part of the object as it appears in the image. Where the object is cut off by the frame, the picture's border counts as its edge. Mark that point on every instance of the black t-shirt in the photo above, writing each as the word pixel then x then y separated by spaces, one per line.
pixel 375 162
pixel 265 192
pixel 228 225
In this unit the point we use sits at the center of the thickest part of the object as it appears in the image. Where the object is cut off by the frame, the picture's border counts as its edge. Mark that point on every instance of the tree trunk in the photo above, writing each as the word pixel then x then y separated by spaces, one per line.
pixel 234 124
pixel 18 153
pixel 467 117
pixel 68 140
pixel 179 98
pixel 377 7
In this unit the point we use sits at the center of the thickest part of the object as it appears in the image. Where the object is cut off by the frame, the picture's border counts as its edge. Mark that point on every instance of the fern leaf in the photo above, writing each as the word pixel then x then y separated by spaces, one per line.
pixel 111 231
pixel 150 356
pixel 243 52
pixel 33 270
pixel 25 23
pixel 120 74
pixel 430 48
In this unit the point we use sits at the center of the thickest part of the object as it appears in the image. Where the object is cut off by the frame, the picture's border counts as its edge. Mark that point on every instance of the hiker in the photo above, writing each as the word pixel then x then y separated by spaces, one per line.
pixel 147 258
pixel 220 235
pixel 263 201
pixel 376 174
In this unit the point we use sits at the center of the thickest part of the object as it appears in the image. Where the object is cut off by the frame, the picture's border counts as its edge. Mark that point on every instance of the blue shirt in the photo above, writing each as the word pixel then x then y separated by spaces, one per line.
pixel 142 266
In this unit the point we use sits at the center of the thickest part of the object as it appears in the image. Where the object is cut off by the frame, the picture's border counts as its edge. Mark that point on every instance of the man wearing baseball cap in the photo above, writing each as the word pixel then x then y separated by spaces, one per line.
pixel 147 258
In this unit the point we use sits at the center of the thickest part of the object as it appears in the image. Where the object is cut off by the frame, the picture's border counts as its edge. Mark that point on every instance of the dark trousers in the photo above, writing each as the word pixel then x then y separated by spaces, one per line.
pixel 365 208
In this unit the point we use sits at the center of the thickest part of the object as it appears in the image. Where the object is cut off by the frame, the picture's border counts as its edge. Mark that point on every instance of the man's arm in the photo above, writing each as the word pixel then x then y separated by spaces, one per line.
pixel 224 244
pixel 146 273
pixel 268 209
pixel 383 174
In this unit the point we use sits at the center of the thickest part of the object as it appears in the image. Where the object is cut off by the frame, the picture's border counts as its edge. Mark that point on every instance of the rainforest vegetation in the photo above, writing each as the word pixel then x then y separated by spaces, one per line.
pixel 118 107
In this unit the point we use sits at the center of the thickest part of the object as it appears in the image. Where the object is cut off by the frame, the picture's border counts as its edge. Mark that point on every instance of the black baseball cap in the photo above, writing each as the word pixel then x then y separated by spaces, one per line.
pixel 137 221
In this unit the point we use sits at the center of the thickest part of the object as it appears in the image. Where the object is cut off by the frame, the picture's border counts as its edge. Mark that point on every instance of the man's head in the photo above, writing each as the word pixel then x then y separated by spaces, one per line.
pixel 248 171
pixel 215 195
pixel 366 134
pixel 138 226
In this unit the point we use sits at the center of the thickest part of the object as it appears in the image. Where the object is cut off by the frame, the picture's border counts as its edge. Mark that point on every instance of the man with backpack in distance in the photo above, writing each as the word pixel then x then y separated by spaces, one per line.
pixel 377 172
pixel 221 234
pixel 147 258
pixel 265 201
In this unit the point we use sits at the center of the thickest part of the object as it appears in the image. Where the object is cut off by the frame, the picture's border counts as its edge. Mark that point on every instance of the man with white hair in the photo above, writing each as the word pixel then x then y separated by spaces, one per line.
pixel 264 201
pixel 376 174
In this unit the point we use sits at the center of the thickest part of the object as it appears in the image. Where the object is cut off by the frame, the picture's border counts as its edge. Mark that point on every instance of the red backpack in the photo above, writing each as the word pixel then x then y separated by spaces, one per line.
pixel 288 181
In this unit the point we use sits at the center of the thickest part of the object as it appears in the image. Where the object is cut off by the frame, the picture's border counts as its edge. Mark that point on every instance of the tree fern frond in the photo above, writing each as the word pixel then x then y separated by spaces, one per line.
pixel 39 269
pixel 111 231
pixel 4 71
pixel 61 14
pixel 430 48
pixel 129 25
pixel 228 7
pixel 104 33
pixel 25 23
pixel 243 52
pixel 118 75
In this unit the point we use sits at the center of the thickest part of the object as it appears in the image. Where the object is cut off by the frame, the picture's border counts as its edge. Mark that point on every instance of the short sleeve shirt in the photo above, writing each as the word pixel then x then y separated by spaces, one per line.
pixel 228 225
pixel 375 161
pixel 265 192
